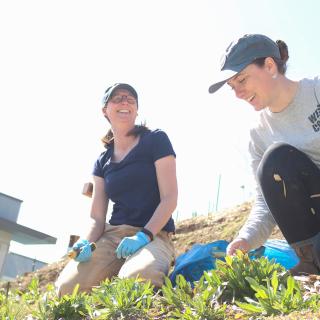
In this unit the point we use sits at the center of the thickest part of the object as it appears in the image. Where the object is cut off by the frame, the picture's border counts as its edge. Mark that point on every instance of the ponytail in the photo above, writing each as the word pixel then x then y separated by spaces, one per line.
pixel 137 130
pixel 282 62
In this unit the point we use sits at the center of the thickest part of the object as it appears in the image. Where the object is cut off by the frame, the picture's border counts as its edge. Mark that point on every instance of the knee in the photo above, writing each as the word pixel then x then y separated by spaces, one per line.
pixel 156 277
pixel 63 288
pixel 278 153
pixel 276 157
pixel 66 284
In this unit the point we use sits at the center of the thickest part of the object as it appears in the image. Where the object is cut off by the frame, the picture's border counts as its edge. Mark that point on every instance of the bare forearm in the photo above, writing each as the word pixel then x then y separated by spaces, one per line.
pixel 98 212
pixel 162 214
pixel 96 230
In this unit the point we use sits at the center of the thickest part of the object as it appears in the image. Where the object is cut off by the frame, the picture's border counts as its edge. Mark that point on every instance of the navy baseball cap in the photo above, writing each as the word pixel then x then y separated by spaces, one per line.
pixel 109 92
pixel 242 52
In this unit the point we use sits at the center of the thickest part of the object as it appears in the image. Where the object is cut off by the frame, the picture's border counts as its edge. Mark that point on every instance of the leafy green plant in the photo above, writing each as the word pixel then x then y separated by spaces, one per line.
pixel 15 304
pixel 32 293
pixel 123 299
pixel 11 306
pixel 186 303
pixel 70 307
pixel 274 298
pixel 234 271
pixel 177 296
pixel 42 309
pixel 211 281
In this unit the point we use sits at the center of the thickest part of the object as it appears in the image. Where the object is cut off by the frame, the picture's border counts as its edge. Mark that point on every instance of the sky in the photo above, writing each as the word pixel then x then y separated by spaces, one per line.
pixel 58 57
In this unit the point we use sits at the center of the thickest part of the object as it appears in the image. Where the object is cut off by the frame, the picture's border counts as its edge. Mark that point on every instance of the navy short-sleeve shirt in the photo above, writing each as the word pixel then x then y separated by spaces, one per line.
pixel 132 183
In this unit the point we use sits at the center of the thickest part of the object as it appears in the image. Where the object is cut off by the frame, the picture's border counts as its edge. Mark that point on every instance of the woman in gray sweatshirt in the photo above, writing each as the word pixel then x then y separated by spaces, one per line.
pixel 284 147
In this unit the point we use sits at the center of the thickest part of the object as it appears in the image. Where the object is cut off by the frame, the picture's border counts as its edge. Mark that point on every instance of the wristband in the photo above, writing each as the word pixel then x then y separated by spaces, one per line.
pixel 148 233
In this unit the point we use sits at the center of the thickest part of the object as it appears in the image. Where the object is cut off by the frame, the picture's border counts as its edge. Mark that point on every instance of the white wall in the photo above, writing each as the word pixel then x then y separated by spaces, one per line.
pixel 4 247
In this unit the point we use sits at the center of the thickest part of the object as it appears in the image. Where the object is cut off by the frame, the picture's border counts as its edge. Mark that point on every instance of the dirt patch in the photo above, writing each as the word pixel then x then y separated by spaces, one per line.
pixel 204 229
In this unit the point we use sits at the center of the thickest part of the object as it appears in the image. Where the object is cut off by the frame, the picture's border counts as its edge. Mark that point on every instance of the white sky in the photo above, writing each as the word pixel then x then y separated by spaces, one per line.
pixel 56 59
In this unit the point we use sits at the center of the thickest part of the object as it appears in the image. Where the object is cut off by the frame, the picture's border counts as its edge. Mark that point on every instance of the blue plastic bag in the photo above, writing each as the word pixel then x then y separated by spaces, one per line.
pixel 281 252
pixel 202 257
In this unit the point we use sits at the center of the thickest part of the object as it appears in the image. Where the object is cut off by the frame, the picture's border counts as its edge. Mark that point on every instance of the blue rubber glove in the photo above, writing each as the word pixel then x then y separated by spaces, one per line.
pixel 82 245
pixel 130 245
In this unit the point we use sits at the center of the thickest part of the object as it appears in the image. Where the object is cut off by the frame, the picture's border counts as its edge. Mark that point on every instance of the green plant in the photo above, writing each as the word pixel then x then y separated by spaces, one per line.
pixel 123 299
pixel 43 307
pixel 234 271
pixel 186 303
pixel 177 296
pixel 70 307
pixel 274 298
pixel 211 281
pixel 32 293
pixel 11 306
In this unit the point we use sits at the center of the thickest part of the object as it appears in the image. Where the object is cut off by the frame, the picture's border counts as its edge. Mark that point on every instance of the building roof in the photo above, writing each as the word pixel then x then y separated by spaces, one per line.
pixel 11 197
pixel 25 235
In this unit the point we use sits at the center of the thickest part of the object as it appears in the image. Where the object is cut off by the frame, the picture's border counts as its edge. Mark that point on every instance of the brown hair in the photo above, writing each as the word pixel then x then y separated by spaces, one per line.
pixel 137 130
pixel 281 63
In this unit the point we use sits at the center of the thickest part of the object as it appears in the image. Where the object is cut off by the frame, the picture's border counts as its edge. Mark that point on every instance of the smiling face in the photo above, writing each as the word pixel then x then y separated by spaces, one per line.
pixel 255 84
pixel 121 108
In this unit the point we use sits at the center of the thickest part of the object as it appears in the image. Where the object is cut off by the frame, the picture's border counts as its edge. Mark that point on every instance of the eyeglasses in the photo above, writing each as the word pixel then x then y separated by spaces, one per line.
pixel 119 99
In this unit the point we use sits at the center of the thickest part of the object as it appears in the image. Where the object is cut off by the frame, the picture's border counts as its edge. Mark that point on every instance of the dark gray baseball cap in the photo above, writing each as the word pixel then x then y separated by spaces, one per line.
pixel 242 52
pixel 110 90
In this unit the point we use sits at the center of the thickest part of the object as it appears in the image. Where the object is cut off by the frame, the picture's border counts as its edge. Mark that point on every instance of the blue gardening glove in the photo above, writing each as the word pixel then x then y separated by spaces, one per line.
pixel 82 245
pixel 130 245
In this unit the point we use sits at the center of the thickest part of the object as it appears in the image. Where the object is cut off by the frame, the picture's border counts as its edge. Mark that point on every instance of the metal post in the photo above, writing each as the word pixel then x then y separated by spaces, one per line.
pixel 33 264
pixel 218 192
pixel 243 192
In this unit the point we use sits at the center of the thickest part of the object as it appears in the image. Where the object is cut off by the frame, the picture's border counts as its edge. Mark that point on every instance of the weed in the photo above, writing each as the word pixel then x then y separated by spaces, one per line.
pixel 233 273
pixel 123 299
pixel 186 303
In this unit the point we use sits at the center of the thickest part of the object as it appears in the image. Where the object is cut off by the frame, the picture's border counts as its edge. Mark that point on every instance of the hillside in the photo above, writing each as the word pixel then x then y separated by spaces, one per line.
pixel 222 225
pixel 202 229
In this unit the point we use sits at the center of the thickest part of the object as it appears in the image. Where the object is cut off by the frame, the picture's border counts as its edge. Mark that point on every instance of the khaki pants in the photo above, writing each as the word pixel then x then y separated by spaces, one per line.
pixel 151 262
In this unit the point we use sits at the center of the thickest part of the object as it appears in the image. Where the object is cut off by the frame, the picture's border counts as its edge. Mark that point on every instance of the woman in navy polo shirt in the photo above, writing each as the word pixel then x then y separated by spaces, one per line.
pixel 137 172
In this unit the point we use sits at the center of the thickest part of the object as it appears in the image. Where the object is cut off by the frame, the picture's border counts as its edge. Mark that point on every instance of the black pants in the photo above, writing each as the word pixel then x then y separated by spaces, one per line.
pixel 290 183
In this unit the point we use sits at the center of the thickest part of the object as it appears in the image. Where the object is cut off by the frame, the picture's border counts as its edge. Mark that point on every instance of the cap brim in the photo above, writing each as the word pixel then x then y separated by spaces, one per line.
pixel 225 75
pixel 126 87
pixel 108 93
